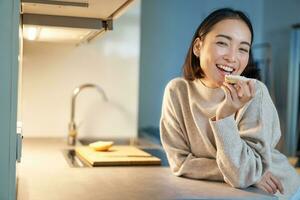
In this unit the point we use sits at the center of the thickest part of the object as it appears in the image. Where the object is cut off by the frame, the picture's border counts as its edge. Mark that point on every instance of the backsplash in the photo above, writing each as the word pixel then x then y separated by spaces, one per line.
pixel 52 70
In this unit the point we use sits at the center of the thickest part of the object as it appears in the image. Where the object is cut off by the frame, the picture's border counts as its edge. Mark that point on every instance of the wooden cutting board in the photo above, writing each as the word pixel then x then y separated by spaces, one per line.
pixel 117 155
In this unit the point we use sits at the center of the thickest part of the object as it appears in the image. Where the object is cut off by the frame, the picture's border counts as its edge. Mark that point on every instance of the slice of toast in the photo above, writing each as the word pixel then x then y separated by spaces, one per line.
pixel 233 79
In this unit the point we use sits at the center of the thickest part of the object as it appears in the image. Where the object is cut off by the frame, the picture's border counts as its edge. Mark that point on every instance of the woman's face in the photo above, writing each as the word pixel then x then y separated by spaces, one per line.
pixel 224 50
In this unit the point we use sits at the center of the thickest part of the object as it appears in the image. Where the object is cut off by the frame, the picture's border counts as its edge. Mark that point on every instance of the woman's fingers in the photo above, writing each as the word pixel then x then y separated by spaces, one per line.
pixel 233 91
pixel 266 187
pixel 244 88
pixel 239 90
pixel 227 92
pixel 272 185
pixel 277 183
pixel 251 84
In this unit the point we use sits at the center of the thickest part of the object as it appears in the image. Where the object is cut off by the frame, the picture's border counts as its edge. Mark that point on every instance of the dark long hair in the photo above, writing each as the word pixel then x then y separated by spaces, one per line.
pixel 191 67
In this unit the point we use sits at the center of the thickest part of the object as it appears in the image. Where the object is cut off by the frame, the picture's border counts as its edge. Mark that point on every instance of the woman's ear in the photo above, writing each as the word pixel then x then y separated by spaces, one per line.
pixel 197 46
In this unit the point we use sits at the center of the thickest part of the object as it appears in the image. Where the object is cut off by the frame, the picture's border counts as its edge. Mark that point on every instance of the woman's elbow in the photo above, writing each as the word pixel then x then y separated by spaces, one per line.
pixel 237 183
pixel 242 179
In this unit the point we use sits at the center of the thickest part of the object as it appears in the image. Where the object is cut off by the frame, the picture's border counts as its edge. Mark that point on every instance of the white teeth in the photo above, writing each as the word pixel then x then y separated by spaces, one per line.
pixel 226 68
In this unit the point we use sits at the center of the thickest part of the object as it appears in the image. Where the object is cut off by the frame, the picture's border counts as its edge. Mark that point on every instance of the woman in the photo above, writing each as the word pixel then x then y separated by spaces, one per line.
pixel 213 130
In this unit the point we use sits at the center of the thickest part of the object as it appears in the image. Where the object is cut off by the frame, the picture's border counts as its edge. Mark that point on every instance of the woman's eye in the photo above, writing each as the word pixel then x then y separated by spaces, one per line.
pixel 244 50
pixel 222 43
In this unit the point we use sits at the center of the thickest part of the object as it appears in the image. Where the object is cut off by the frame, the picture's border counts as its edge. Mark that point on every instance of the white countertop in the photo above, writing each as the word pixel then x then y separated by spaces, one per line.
pixel 44 174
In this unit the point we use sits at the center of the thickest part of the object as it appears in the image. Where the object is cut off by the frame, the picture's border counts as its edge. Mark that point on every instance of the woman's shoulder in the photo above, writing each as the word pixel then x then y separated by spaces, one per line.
pixel 260 88
pixel 262 96
pixel 177 83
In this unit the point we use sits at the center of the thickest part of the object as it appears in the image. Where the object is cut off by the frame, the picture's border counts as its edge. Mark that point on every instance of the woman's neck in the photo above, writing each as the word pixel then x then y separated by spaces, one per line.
pixel 212 94
pixel 208 84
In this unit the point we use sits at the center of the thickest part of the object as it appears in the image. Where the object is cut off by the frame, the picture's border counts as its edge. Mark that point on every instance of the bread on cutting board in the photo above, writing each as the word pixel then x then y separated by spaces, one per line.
pixel 101 145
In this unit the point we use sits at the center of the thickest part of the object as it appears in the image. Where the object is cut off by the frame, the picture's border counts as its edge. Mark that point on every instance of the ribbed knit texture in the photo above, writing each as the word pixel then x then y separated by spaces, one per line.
pixel 237 149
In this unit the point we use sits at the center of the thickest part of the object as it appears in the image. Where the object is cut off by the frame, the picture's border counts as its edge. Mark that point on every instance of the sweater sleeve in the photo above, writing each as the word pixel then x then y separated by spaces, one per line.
pixel 174 140
pixel 244 145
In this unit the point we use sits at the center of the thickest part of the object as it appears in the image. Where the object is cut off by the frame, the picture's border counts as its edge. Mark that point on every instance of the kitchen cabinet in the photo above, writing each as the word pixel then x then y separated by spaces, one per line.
pixel 100 9
pixel 78 20
pixel 9 51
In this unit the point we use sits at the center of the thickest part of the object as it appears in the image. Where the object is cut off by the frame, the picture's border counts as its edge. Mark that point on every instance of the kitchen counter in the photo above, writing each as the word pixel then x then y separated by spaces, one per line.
pixel 45 174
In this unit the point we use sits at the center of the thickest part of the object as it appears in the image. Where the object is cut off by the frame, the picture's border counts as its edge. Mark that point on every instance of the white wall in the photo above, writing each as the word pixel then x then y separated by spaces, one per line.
pixel 51 71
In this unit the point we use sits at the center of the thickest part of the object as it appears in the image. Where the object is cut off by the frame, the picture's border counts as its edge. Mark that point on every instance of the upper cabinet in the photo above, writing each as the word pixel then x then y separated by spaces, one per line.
pixel 100 9
pixel 69 20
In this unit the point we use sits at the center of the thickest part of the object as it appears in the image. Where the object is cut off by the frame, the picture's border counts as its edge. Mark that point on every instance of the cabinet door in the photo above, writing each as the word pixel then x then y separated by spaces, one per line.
pixel 9 50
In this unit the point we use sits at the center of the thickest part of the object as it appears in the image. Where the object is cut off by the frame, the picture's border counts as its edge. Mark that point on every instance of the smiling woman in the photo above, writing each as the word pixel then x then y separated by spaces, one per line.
pixel 218 131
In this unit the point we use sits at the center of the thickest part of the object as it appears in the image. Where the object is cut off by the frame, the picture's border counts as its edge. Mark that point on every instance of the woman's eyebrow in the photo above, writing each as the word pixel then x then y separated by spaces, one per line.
pixel 229 38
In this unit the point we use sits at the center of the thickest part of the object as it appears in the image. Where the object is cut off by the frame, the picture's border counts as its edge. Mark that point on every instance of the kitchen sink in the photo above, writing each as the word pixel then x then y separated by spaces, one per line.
pixel 155 150
pixel 72 159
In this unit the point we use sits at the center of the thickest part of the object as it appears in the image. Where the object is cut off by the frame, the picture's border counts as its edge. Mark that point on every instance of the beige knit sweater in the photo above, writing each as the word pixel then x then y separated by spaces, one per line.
pixel 237 149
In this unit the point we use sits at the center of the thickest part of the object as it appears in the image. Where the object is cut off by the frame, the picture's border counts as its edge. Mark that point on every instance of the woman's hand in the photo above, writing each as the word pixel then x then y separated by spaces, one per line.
pixel 236 96
pixel 269 183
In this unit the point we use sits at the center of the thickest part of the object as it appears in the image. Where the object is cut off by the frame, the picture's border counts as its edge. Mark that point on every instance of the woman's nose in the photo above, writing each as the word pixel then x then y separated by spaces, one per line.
pixel 230 56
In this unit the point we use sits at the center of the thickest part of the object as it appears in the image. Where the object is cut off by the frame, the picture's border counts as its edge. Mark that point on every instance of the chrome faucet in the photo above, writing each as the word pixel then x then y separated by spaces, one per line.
pixel 72 125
